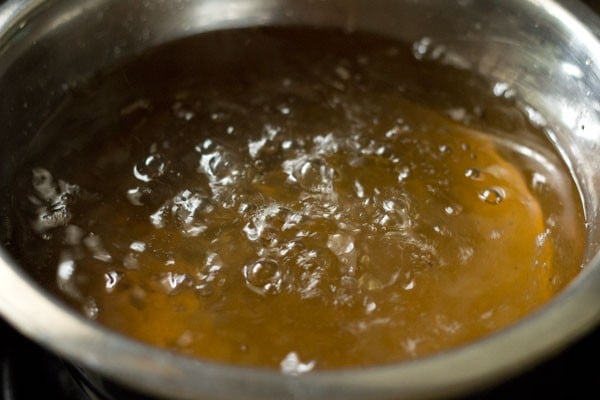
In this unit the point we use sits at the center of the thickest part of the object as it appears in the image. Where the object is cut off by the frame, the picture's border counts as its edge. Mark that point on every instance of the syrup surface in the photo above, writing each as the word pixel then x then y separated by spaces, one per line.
pixel 299 199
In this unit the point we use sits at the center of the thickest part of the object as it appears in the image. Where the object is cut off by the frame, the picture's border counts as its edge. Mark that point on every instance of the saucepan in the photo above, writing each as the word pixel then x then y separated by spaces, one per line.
pixel 548 51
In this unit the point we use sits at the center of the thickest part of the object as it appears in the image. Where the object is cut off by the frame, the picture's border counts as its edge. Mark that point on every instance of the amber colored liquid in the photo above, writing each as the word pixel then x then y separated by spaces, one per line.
pixel 298 199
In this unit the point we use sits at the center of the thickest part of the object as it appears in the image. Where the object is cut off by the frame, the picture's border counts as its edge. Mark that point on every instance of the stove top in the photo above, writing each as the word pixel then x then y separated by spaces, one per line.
pixel 29 372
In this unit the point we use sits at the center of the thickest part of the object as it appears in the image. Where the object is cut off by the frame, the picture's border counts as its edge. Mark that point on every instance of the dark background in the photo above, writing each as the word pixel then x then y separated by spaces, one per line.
pixel 29 372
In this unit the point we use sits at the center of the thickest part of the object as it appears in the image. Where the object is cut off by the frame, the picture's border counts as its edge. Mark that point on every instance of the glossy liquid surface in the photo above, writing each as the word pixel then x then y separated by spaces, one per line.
pixel 298 199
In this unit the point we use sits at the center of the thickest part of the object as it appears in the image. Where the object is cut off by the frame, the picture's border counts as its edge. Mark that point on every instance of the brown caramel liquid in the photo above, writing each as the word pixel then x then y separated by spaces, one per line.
pixel 297 199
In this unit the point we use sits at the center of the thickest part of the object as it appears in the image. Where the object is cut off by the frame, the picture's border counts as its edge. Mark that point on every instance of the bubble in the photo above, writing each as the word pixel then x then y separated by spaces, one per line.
pixel 495 235
pixel 473 173
pixel 393 133
pixel 130 261
pixel 494 195
pixel 287 144
pixel 542 237
pixel 181 112
pixel 66 268
pixel 263 276
pixel 159 217
pixel 449 210
pixel 65 275
pixel 342 72
pixel 267 218
pixel 403 174
pixel 465 254
pixel 316 273
pixel 421 48
pixel 254 146
pixel 411 346
pixel 312 174
pixel 457 114
pixel 381 150
pixel 340 243
pixel 444 323
pixel 53 200
pixel 152 167
pixel 292 220
pixel 91 309
pixel 359 189
pixel 291 365
pixel 218 116
pixel 425 49
pixel 185 339
pixel 54 217
pixel 325 144
pixel 111 279
pixel 94 245
pixel 189 208
pixel 370 307
pixel 538 181
pixel 219 166
pixel 172 282
pixel 138 246
pixel 503 89
pixel 204 289
pixel 206 146
pixel 389 211
pixel 134 195
pixel 284 109
pixel 211 277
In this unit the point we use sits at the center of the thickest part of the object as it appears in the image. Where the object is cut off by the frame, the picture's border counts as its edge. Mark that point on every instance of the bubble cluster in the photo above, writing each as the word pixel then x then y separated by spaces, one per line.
pixel 311 174
pixel 326 216
pixel 52 200
pixel 187 209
